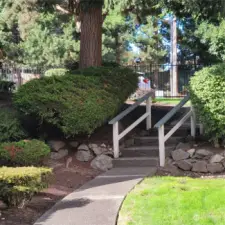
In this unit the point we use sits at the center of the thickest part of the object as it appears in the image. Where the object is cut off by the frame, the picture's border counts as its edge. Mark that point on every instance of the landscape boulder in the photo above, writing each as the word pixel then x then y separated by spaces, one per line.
pixel 74 144
pixel 184 165
pixel 102 162
pixel 191 152
pixel 84 156
pixel 202 153
pixel 216 158
pixel 183 146
pixel 83 147
pixel 223 153
pixel 59 155
pixel 200 167
pixel 56 145
pixel 98 149
pixel 179 154
pixel 215 167
pixel 171 169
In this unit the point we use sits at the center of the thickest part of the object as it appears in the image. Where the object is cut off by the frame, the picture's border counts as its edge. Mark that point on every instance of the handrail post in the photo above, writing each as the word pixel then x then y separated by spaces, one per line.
pixel 193 122
pixel 149 111
pixel 115 122
pixel 116 139
pixel 162 156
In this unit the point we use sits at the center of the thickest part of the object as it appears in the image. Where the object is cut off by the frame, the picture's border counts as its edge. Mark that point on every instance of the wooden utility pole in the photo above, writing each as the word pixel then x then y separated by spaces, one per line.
pixel 173 58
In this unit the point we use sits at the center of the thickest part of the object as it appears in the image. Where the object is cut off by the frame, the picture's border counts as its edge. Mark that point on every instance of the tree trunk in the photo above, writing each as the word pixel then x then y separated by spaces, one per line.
pixel 91 38
pixel 118 52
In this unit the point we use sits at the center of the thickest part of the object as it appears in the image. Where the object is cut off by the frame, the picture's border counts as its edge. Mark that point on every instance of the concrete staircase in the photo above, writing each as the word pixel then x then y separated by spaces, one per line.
pixel 143 150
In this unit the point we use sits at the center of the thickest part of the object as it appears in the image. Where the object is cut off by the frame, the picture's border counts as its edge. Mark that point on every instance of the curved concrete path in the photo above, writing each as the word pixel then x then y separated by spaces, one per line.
pixel 98 201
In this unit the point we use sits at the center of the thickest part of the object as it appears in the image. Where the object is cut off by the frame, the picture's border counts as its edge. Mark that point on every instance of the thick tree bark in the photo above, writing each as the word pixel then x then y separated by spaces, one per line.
pixel 118 52
pixel 91 38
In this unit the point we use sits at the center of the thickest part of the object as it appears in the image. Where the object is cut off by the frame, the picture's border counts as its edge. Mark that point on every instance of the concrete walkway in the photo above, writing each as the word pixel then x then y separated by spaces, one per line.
pixel 98 201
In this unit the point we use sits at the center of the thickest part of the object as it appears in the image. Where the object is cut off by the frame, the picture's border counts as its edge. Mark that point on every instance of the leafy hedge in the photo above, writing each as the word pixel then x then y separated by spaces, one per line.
pixel 19 184
pixel 10 126
pixel 23 153
pixel 78 102
pixel 207 90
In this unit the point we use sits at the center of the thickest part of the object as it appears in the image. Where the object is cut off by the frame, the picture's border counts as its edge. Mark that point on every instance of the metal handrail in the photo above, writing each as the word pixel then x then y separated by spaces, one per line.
pixel 115 122
pixel 171 113
pixel 131 108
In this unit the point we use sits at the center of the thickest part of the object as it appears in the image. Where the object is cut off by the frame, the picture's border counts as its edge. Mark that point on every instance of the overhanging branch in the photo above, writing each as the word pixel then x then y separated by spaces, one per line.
pixel 61 9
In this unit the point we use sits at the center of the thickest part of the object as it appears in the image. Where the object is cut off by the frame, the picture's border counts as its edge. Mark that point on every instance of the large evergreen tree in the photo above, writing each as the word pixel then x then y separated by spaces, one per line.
pixel 22 23
pixel 213 35
pixel 52 42
pixel 199 9
pixel 117 33
pixel 89 13
pixel 125 38
pixel 194 16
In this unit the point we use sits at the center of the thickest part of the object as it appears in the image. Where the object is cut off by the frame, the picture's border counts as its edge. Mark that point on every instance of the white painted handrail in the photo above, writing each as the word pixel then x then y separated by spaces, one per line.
pixel 170 114
pixel 115 122
pixel 160 125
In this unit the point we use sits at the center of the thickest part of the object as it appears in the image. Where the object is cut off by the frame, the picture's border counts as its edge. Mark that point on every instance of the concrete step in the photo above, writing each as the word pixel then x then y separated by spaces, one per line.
pixel 147 147
pixel 135 161
pixel 144 151
pixel 182 131
pixel 154 140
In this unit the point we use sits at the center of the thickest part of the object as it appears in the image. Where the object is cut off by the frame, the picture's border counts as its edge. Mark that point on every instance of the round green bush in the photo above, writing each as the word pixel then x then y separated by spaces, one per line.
pixel 56 72
pixel 10 126
pixel 79 102
pixel 19 184
pixel 23 153
pixel 207 89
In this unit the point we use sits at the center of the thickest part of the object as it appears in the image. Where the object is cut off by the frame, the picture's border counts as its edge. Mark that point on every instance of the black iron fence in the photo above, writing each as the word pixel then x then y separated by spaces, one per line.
pixel 167 80
pixel 18 75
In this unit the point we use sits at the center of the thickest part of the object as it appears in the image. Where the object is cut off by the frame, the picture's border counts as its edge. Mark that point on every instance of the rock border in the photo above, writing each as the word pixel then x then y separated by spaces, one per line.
pixel 188 158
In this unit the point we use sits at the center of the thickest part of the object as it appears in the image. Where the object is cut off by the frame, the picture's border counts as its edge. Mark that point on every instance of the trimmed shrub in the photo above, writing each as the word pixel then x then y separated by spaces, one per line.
pixel 110 64
pixel 23 153
pixel 56 72
pixel 19 184
pixel 79 102
pixel 10 126
pixel 207 89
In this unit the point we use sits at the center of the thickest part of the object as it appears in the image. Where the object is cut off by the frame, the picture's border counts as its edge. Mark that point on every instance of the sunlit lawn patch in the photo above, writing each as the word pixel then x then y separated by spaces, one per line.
pixel 175 201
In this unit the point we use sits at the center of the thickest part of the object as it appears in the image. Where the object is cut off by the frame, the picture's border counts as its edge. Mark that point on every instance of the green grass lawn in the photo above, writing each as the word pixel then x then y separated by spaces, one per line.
pixel 175 201
pixel 169 101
